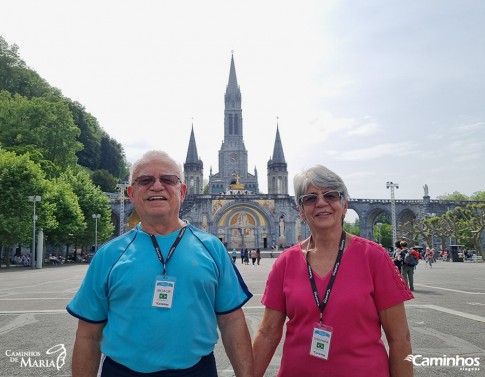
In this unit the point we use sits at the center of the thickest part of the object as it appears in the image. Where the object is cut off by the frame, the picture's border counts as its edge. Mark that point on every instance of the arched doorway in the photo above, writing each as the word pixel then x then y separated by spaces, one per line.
pixel 243 227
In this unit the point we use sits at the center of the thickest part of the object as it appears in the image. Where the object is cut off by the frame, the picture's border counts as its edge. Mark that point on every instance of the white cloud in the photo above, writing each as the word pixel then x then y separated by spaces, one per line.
pixel 380 151
pixel 365 127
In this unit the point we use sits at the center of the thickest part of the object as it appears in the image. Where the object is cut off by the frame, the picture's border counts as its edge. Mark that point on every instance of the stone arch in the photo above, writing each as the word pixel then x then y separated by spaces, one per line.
pixel 372 215
pixel 405 215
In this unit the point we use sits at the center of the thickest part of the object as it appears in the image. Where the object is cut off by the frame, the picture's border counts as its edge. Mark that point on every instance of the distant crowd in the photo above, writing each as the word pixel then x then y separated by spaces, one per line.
pixel 54 259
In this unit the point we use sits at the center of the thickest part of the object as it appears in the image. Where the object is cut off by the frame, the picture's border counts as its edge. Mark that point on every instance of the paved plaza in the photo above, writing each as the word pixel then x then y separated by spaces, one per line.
pixel 447 318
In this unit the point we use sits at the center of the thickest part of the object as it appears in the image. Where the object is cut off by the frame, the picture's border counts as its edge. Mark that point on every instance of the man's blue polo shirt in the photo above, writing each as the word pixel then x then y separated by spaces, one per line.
pixel 119 286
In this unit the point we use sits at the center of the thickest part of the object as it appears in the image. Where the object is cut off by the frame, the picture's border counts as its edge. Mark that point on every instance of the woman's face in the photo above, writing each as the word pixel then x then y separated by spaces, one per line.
pixel 323 208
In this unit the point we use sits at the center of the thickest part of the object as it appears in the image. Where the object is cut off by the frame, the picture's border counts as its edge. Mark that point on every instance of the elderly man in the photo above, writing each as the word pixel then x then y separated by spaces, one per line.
pixel 152 299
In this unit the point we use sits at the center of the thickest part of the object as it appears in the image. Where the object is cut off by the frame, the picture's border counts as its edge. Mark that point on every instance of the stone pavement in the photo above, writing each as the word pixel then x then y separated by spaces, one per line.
pixel 447 318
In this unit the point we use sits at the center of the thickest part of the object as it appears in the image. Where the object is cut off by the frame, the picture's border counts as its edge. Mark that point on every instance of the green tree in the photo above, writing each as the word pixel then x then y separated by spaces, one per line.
pixel 479 195
pixel 113 157
pixel 104 180
pixel 454 196
pixel 67 212
pixel 451 222
pixel 471 223
pixel 92 201
pixel 43 128
pixel 429 229
pixel 407 231
pixel 463 224
pixel 55 131
pixel 441 227
pixel 90 136
pixel 19 179
pixel 52 135
pixel 352 228
pixel 383 234
pixel 16 77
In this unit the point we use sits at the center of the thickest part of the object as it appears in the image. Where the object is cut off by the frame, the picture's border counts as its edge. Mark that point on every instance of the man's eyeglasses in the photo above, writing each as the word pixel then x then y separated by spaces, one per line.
pixel 329 197
pixel 149 180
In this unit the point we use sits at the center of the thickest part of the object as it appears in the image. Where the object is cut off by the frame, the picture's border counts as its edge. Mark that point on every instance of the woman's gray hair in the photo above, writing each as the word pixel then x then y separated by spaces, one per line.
pixel 320 177
pixel 155 155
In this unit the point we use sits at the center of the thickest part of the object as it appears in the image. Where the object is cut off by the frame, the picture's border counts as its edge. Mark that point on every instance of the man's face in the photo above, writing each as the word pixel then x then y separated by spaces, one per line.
pixel 157 200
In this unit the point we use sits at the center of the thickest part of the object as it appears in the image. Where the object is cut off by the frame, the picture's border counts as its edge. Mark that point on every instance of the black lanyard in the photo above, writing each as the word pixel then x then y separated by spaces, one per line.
pixel 321 305
pixel 172 249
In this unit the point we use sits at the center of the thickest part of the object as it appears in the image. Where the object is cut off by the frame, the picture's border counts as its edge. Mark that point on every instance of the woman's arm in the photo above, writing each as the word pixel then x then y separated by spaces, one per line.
pixel 395 325
pixel 267 338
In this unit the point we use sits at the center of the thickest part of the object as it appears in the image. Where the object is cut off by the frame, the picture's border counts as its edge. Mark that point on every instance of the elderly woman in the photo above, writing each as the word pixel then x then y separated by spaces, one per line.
pixel 338 291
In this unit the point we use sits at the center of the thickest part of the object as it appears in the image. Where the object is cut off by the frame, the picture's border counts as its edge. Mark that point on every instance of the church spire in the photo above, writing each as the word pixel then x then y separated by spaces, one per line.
pixel 233 93
pixel 232 84
pixel 233 156
pixel 192 155
pixel 278 155
pixel 193 167
pixel 277 168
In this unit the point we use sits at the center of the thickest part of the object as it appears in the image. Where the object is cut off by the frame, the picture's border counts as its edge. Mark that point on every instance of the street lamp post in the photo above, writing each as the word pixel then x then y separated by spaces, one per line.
pixel 96 216
pixel 392 186
pixel 34 199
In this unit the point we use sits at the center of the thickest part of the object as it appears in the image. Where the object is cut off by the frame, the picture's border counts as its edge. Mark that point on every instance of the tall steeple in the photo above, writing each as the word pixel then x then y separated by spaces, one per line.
pixel 277 168
pixel 233 156
pixel 193 168
pixel 232 83
pixel 233 125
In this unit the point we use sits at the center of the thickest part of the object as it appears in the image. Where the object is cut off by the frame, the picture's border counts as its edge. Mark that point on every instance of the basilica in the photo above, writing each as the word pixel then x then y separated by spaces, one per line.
pixel 231 205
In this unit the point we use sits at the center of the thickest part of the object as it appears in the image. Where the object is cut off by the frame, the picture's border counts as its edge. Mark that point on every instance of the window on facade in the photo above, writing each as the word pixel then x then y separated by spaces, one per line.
pixel 236 125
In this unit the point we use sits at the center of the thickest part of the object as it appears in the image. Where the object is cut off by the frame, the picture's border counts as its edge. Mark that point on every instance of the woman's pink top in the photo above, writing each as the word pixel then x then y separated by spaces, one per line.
pixel 367 282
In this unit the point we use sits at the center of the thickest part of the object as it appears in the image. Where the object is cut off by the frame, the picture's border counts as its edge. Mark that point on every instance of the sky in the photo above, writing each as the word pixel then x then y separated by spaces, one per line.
pixel 378 90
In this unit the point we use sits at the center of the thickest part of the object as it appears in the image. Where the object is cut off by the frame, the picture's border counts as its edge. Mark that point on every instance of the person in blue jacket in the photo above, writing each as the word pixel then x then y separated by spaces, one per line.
pixel 153 299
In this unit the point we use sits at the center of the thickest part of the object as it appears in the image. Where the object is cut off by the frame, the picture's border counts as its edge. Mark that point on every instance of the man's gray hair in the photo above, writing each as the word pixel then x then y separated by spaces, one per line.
pixel 156 155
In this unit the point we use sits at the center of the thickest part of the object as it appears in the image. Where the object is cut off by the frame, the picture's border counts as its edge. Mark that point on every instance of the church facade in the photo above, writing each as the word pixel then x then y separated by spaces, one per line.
pixel 231 206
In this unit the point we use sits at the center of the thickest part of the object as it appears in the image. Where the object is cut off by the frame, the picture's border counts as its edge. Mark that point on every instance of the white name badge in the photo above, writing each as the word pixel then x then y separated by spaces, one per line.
pixel 163 293
pixel 322 335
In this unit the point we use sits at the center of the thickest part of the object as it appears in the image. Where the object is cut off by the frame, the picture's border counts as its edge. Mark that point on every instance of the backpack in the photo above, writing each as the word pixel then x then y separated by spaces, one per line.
pixel 410 259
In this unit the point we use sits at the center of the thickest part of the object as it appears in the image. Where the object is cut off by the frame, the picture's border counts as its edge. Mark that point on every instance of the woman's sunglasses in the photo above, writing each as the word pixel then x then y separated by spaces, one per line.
pixel 329 197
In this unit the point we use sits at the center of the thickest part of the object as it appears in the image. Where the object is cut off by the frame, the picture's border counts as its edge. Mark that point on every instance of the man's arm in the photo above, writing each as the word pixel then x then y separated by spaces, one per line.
pixel 237 342
pixel 87 353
